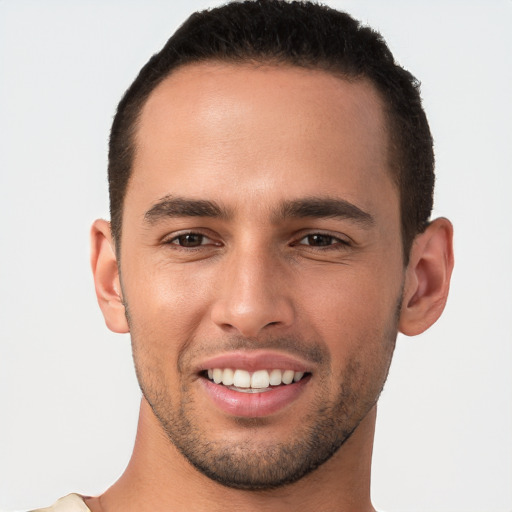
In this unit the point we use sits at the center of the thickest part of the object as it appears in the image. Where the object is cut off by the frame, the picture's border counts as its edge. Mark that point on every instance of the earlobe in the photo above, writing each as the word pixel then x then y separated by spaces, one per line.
pixel 427 278
pixel 106 277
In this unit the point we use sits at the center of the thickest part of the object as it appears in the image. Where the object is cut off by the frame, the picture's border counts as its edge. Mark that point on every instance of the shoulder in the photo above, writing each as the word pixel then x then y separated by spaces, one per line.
pixel 70 503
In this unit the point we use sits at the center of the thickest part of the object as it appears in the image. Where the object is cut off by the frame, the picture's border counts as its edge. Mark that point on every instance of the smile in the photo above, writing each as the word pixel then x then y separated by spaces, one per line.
pixel 253 382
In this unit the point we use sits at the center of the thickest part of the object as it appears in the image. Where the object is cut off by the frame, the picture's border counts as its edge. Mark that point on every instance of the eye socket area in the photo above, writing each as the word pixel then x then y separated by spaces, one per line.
pixel 311 240
pixel 191 240
pixel 322 240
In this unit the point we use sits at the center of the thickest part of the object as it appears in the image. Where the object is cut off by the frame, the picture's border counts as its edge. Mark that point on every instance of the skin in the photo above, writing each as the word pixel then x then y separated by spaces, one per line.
pixel 331 291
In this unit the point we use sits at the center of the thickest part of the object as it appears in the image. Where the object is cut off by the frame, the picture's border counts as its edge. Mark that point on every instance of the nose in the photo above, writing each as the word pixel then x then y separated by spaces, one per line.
pixel 251 295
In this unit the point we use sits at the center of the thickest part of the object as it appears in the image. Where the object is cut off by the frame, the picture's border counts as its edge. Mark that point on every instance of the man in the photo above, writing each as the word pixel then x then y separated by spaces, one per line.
pixel 271 179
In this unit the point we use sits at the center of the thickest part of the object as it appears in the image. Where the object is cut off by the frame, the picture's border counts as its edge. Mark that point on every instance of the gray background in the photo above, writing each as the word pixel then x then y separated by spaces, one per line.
pixel 68 395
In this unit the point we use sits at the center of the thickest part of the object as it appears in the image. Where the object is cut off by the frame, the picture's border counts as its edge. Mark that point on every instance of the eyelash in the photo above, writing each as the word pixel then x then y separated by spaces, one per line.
pixel 336 243
pixel 175 240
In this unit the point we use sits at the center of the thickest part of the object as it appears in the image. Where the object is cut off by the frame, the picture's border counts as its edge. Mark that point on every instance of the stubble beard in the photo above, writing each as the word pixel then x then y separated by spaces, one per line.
pixel 249 465
pixel 255 466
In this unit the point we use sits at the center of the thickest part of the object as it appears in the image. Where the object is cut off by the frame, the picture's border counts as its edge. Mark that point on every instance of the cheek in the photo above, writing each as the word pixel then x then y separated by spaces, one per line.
pixel 355 315
pixel 356 300
pixel 161 295
pixel 167 308
pixel 360 334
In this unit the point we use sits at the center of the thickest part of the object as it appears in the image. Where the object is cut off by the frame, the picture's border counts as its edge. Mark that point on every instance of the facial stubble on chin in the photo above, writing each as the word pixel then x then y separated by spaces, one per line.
pixel 268 465
pixel 246 465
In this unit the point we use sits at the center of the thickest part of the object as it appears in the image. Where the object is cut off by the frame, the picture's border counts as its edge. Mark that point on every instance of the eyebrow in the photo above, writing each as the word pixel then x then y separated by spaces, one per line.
pixel 326 208
pixel 309 207
pixel 170 206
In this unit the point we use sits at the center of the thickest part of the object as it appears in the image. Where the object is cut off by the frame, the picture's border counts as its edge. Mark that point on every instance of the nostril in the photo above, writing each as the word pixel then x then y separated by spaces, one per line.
pixel 249 315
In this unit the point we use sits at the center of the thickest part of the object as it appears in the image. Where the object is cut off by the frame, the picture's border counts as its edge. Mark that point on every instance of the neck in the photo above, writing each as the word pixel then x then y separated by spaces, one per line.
pixel 159 478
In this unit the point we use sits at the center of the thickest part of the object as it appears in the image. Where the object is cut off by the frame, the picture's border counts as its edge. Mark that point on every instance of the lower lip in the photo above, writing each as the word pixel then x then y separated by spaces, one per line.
pixel 253 405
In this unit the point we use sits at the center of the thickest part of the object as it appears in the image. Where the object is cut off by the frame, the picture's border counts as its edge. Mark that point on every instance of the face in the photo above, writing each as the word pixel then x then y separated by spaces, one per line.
pixel 261 266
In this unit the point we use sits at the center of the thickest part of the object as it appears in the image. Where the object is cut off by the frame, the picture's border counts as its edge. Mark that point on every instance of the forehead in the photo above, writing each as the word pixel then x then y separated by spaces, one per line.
pixel 215 127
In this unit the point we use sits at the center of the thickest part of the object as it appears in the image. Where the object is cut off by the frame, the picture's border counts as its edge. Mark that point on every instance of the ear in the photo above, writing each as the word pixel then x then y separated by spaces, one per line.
pixel 106 277
pixel 427 278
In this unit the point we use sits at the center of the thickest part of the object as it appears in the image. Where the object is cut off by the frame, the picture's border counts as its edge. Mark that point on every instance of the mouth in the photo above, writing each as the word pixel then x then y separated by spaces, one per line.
pixel 254 384
pixel 259 381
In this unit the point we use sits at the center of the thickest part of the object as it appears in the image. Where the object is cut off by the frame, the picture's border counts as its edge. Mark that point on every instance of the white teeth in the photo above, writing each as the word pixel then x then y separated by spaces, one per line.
pixel 287 376
pixel 258 380
pixel 242 379
pixel 228 377
pixel 217 375
pixel 275 377
pixel 297 376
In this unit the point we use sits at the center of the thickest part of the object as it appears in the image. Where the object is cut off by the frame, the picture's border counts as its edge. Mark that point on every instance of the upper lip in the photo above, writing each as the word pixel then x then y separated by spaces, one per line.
pixel 254 360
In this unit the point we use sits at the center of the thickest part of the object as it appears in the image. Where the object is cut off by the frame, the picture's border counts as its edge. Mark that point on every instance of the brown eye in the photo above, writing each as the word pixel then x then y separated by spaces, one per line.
pixel 319 240
pixel 323 240
pixel 189 240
